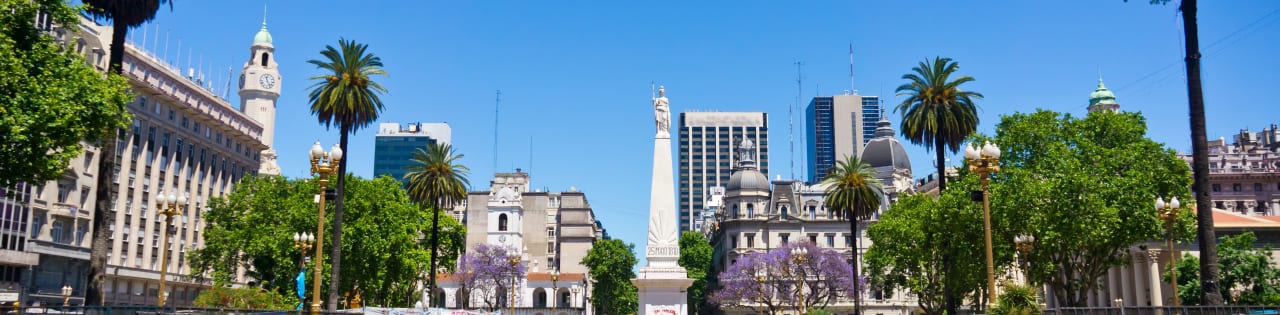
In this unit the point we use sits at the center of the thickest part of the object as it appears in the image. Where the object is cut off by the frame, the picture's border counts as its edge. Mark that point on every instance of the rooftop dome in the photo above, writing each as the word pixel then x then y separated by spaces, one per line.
pixel 884 149
pixel 1102 96
pixel 747 177
pixel 263 37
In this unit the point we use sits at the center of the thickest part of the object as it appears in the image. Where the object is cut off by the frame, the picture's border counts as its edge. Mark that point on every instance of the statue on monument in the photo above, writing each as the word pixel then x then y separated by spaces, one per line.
pixel 662 112
pixel 268 166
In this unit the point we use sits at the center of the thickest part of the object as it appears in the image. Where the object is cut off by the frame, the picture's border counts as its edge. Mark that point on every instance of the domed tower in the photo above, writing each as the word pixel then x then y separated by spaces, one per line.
pixel 259 88
pixel 890 160
pixel 747 192
pixel 1102 99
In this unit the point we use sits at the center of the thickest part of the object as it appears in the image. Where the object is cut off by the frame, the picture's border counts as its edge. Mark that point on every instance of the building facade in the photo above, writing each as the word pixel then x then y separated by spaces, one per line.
pixel 838 126
pixel 758 215
pixel 394 145
pixel 185 140
pixel 706 155
pixel 1244 176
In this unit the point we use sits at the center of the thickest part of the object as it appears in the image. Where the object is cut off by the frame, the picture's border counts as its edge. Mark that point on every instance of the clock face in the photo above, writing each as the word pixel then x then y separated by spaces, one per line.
pixel 268 81
pixel 502 238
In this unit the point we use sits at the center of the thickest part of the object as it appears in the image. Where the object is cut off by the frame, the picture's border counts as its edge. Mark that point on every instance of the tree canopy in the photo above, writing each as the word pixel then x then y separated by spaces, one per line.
pixel 1085 188
pixel 51 100
pixel 487 273
pixel 779 279
pixel 695 257
pixel 385 251
pixel 610 264
pixel 1249 274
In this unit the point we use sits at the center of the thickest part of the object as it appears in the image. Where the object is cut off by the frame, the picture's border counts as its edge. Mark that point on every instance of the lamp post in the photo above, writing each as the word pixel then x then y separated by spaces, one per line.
pixel 325 165
pixel 1024 244
pixel 800 255
pixel 984 161
pixel 514 260
pixel 555 290
pixel 66 295
pixel 302 241
pixel 1119 302
pixel 575 290
pixel 1169 213
pixel 168 208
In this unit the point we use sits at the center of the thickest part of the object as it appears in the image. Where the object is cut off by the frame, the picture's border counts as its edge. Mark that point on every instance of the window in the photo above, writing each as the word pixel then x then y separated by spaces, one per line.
pixel 751 210
pixel 848 239
pixel 784 210
pixel 56 231
pixel 786 237
pixel 170 114
pixel 734 212
pixel 751 240
pixel 1217 187
pixel 265 56
pixel 1235 187
pixel 813 238
pixel 831 240
pixel 1257 186
pixel 502 222
pixel 551 231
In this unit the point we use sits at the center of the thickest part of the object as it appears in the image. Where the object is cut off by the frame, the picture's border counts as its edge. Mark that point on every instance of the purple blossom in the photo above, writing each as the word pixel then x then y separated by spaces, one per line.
pixel 486 272
pixel 778 279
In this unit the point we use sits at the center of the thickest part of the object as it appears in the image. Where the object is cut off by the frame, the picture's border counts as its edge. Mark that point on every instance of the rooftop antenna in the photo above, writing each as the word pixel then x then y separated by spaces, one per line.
pixel 530 154
pixel 791 115
pixel 165 56
pixel 178 58
pixel 144 38
pixel 851 86
pixel 497 104
pixel 226 91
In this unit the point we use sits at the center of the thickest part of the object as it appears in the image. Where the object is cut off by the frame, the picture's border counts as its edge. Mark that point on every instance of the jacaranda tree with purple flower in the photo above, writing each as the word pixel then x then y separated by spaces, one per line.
pixel 786 278
pixel 486 272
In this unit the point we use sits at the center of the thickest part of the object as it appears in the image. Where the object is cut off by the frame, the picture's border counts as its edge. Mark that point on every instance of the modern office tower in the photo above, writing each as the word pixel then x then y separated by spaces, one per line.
pixel 184 138
pixel 838 126
pixel 395 144
pixel 706 154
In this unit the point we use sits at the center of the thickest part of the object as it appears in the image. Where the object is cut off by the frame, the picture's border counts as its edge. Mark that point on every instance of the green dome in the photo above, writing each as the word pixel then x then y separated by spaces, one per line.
pixel 263 36
pixel 1102 96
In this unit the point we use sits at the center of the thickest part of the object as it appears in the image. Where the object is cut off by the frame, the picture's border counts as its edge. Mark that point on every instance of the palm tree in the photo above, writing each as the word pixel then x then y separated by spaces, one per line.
pixel 123 14
pixel 936 110
pixel 1209 292
pixel 853 191
pixel 344 96
pixel 437 181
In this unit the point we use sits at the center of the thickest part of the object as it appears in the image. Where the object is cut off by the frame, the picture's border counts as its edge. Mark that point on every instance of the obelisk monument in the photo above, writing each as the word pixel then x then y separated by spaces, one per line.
pixel 662 282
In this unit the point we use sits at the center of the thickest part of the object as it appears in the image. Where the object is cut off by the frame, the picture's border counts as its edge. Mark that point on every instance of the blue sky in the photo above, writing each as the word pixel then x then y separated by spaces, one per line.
pixel 575 75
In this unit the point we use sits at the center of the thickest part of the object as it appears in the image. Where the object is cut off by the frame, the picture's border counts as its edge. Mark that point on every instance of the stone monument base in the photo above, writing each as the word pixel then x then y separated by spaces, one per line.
pixel 662 291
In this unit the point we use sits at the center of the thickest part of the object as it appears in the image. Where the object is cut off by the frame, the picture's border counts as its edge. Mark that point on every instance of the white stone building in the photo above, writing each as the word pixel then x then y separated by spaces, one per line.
pixel 184 138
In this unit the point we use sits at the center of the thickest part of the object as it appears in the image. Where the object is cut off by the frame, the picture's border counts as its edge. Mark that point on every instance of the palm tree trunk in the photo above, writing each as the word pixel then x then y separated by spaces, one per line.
pixel 93 294
pixel 941 157
pixel 336 249
pixel 435 244
pixel 857 280
pixel 1209 293
pixel 949 297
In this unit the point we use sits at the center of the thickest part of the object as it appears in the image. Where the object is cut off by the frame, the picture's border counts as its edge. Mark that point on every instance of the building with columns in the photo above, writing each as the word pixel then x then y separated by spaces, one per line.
pixel 1244 176
pixel 550 231
pixel 185 138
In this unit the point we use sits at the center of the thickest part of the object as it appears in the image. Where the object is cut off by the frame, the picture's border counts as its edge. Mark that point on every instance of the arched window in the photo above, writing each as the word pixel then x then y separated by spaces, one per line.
pixel 56 231
pixel 751 210
pixel 784 210
pixel 264 59
pixel 502 222
pixel 734 213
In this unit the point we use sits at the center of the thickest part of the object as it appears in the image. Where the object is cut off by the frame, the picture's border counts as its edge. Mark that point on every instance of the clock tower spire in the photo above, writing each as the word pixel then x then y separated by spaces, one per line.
pixel 259 88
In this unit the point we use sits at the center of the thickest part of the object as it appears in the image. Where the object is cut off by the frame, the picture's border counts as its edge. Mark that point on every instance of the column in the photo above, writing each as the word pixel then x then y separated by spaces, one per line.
pixel 1113 284
pixel 1153 258
pixel 1139 279
pixel 1126 282
pixel 551 298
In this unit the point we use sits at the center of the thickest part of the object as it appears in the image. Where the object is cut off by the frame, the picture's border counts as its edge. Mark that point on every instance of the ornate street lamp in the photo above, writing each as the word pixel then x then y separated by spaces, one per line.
pixel 984 161
pixel 1024 244
pixel 325 165
pixel 801 254
pixel 168 208
pixel 575 289
pixel 1169 213
pixel 66 295
pixel 302 241
pixel 555 290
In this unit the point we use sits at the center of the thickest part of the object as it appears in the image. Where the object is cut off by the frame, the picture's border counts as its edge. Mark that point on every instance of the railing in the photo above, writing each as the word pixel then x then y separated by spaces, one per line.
pixel 179 310
pixel 1168 310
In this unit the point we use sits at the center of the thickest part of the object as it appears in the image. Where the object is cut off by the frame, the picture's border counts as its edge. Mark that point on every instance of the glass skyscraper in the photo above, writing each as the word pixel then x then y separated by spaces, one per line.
pixel 836 127
pixel 394 145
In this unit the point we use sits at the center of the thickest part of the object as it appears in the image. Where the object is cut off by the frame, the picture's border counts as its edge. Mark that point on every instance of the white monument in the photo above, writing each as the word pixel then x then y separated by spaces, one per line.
pixel 662 282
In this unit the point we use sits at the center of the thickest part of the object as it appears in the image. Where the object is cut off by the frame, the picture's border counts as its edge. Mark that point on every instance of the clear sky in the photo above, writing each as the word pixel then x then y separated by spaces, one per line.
pixel 575 75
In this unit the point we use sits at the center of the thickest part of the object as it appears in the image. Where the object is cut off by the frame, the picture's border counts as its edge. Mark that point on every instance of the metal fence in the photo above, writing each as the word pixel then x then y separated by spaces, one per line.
pixel 1169 310
pixel 180 310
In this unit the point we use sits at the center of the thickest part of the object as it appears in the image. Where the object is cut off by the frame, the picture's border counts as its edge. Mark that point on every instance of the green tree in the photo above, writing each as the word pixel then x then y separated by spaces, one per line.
pixel 854 192
pixel 384 254
pixel 913 236
pixel 1084 188
pixel 936 111
pixel 437 181
pixel 345 96
pixel 609 263
pixel 1249 275
pixel 695 257
pixel 244 298
pixel 50 99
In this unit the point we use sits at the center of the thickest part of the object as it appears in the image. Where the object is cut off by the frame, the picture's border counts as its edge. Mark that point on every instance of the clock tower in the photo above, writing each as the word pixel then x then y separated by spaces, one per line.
pixel 259 88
